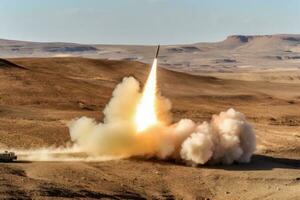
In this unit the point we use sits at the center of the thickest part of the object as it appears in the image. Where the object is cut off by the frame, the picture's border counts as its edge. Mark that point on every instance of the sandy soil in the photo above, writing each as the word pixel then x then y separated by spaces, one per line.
pixel 38 96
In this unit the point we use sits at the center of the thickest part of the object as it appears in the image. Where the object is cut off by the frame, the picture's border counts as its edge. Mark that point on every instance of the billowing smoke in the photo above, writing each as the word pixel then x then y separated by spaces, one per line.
pixel 227 138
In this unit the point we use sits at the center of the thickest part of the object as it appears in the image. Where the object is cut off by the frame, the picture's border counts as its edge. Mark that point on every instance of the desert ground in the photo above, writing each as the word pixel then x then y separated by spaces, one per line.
pixel 39 96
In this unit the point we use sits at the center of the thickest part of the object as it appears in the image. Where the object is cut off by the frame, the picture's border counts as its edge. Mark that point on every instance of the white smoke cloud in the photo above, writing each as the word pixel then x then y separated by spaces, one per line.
pixel 228 137
pixel 198 148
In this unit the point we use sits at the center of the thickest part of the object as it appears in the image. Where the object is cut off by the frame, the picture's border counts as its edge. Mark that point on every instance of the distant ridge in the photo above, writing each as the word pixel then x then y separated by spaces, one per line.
pixel 235 53
pixel 259 38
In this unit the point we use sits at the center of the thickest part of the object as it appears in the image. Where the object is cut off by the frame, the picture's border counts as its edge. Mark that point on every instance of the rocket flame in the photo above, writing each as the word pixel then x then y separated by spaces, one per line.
pixel 146 110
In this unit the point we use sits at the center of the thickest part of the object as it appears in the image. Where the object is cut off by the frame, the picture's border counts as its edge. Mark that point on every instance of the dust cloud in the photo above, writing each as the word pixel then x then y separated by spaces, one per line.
pixel 225 139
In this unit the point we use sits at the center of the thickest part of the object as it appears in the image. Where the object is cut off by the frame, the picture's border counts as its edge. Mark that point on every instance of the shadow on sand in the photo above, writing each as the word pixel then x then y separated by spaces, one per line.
pixel 258 162
pixel 262 162
pixel 22 161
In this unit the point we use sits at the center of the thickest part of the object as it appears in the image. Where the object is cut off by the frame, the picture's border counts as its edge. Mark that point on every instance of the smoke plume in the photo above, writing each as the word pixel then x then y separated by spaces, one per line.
pixel 227 138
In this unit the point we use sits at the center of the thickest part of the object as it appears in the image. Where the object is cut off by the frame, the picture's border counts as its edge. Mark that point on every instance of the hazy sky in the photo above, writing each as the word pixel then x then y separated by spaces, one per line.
pixel 145 21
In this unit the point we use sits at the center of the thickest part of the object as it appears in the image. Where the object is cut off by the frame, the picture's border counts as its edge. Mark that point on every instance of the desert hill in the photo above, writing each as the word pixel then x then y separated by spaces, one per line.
pixel 39 96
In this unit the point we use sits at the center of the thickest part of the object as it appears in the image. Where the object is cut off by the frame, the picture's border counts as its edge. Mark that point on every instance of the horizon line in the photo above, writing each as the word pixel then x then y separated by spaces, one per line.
pixel 162 44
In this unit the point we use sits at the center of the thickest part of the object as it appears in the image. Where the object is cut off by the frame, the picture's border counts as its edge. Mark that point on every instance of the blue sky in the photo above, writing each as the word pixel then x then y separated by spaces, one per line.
pixel 145 21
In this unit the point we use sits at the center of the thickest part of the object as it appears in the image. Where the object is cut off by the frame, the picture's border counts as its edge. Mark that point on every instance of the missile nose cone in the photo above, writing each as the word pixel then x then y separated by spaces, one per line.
pixel 157 51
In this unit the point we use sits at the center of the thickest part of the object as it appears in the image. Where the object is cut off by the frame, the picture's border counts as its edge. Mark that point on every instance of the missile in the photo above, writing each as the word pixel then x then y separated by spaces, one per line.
pixel 157 51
